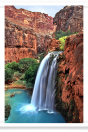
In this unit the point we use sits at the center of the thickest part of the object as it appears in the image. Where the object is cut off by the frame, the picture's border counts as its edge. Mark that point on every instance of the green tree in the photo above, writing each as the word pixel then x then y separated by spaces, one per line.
pixel 25 63
pixel 62 44
pixel 30 74
pixel 60 33
pixel 8 74
pixel 14 66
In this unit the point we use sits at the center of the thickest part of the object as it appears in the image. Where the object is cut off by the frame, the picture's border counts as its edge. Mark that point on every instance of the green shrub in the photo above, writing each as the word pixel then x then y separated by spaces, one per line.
pixel 60 33
pixel 7 111
pixel 17 74
pixel 25 63
pixel 62 44
pixel 14 66
pixel 63 39
pixel 30 74
pixel 8 74
pixel 20 82
pixel 14 79
pixel 22 77
pixel 29 85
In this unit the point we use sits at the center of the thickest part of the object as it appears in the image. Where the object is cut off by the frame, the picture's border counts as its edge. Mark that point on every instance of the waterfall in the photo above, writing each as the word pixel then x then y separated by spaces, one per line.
pixel 44 88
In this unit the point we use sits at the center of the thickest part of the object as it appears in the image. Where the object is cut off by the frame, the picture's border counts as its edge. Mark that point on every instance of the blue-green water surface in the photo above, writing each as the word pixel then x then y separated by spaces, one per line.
pixel 20 113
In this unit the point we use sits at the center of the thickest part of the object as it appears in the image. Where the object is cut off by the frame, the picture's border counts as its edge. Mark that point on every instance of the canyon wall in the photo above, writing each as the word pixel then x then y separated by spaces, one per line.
pixel 26 33
pixel 39 22
pixel 29 33
pixel 69 80
pixel 69 90
pixel 70 17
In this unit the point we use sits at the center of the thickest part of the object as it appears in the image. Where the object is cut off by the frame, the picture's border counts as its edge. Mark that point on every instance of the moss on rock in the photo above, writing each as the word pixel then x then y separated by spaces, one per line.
pixel 7 111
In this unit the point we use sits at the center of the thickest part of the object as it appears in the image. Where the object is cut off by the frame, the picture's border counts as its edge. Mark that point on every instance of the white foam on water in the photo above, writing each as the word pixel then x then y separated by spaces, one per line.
pixel 28 108
pixel 50 112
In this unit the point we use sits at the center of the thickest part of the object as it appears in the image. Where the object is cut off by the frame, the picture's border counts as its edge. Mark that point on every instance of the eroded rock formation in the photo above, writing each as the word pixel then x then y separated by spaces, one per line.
pixel 69 100
pixel 70 17
pixel 26 33
pixel 53 45
pixel 39 22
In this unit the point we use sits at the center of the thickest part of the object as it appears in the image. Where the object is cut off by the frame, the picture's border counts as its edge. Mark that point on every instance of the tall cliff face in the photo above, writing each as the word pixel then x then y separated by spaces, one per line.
pixel 69 98
pixel 26 33
pixel 39 22
pixel 70 17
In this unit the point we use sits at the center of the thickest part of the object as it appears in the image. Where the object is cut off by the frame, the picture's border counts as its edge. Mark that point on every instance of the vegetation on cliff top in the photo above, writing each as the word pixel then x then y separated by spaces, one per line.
pixel 62 37
pixel 62 44
pixel 60 33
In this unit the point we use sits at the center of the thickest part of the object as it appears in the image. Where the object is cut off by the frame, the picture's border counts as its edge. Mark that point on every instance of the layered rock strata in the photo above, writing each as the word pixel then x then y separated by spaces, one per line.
pixel 26 33
pixel 70 17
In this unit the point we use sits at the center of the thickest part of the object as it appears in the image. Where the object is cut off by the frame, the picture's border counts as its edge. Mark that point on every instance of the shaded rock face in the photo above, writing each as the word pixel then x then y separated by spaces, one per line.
pixel 70 17
pixel 74 60
pixel 69 99
pixel 53 45
pixel 26 33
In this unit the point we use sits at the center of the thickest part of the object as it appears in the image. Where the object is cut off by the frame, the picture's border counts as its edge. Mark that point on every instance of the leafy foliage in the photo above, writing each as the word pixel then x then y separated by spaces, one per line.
pixel 20 82
pixel 60 33
pixel 14 66
pixel 22 77
pixel 62 37
pixel 8 74
pixel 26 66
pixel 30 74
pixel 62 40
pixel 7 111
pixel 25 63
pixel 17 74
pixel 14 79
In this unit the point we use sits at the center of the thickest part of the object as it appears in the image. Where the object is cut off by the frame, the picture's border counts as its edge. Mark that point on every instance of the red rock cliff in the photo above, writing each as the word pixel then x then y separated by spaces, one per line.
pixel 74 59
pixel 69 100
pixel 26 33
pixel 70 17
pixel 39 22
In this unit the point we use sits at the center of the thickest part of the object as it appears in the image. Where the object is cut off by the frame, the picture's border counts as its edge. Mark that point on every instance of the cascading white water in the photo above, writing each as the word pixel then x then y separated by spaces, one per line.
pixel 44 88
pixel 42 97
